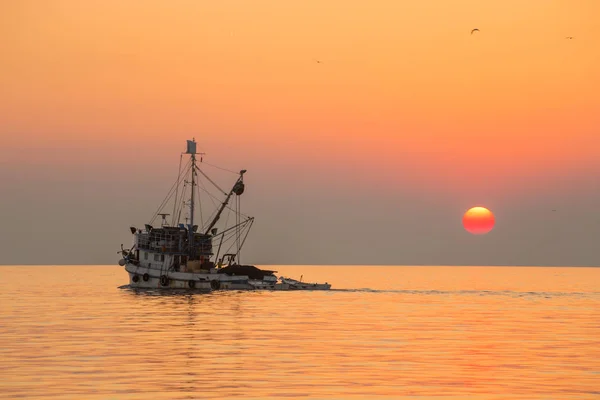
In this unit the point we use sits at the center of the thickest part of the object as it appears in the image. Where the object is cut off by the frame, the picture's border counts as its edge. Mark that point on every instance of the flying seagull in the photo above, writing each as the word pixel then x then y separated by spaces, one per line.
pixel 569 37
pixel 474 30
pixel 318 61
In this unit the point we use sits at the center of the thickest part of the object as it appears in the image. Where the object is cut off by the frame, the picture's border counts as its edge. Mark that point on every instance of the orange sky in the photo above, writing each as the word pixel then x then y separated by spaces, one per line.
pixel 404 93
pixel 396 76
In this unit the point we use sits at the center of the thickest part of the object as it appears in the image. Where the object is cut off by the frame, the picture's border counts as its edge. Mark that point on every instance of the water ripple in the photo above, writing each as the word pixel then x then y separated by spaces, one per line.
pixel 77 332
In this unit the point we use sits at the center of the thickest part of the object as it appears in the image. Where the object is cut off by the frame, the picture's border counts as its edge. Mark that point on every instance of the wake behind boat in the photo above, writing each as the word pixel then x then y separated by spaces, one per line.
pixel 180 255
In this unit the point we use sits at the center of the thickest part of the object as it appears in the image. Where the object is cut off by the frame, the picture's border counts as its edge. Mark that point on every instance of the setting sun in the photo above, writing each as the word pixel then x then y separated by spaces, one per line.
pixel 478 220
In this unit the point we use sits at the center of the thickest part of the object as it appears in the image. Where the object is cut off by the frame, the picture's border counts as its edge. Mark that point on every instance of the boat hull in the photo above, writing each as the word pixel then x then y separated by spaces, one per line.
pixel 154 282
pixel 151 278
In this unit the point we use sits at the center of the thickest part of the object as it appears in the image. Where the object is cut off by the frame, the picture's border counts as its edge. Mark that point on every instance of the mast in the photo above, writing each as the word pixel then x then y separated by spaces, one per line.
pixel 191 149
pixel 191 228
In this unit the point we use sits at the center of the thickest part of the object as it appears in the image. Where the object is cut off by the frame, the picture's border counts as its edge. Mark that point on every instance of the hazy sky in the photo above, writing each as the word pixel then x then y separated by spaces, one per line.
pixel 369 157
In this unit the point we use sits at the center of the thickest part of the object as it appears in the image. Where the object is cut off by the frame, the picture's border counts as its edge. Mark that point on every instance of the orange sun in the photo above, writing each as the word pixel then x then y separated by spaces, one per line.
pixel 478 220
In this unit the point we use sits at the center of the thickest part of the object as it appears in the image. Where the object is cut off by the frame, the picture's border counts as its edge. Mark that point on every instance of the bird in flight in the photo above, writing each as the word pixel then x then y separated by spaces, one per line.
pixel 318 61
pixel 474 30
pixel 569 37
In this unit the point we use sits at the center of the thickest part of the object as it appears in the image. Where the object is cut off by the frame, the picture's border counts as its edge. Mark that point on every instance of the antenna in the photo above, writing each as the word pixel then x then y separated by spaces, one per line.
pixel 164 219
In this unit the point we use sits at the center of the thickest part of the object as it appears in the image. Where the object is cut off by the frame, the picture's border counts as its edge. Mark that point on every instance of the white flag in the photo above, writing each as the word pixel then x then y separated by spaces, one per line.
pixel 191 147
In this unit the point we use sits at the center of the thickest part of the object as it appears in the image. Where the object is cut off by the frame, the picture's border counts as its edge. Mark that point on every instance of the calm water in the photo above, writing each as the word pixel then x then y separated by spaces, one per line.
pixel 388 332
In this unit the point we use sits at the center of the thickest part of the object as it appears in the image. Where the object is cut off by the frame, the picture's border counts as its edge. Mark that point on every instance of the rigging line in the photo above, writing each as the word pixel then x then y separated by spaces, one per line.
pixel 221 249
pixel 222 234
pixel 211 217
pixel 175 185
pixel 230 231
pixel 211 181
pixel 201 186
pixel 183 190
pixel 162 206
pixel 221 168
pixel 199 203
pixel 165 201
pixel 228 246
pixel 176 190
pixel 212 198
pixel 228 250
pixel 181 204
pixel 229 211
pixel 231 235
pixel 227 217
pixel 227 206
pixel 219 252
pixel 233 242
pixel 247 232
pixel 169 195
pixel 227 237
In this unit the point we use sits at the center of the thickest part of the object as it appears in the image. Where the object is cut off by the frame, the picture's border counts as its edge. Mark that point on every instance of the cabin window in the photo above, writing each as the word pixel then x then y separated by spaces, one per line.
pixel 162 257
pixel 145 255
pixel 157 257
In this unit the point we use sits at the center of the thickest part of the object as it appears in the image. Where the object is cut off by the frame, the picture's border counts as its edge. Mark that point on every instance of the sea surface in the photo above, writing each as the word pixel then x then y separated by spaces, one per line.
pixel 74 332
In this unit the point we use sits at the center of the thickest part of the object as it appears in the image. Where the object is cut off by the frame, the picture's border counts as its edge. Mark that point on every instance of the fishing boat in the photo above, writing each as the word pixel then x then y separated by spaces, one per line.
pixel 202 256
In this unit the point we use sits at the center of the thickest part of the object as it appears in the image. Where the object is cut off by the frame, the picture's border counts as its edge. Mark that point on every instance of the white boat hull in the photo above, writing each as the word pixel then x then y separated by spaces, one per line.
pixel 150 278
pixel 154 282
